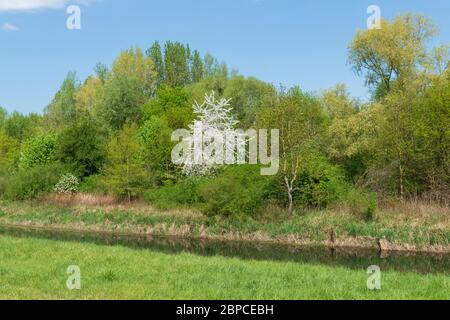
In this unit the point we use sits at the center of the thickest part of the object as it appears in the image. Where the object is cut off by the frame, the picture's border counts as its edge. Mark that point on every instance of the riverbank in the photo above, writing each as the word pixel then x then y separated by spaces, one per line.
pixel 34 268
pixel 415 229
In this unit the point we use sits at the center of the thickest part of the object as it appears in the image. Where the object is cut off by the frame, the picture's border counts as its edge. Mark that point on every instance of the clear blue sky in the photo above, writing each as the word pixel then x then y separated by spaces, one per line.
pixel 291 42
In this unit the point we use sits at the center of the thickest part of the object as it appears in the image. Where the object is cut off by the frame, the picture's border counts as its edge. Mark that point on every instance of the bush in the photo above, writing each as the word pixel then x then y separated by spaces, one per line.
pixel 38 151
pixel 362 204
pixel 95 184
pixel 319 184
pixel 239 191
pixel 67 184
pixel 4 180
pixel 81 146
pixel 32 183
pixel 183 193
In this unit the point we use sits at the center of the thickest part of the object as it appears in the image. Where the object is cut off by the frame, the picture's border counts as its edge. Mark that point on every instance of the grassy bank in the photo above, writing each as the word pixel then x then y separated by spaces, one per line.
pixel 36 269
pixel 408 226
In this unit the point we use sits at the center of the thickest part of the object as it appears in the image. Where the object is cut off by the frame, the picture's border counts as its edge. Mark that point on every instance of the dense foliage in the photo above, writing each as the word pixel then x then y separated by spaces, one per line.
pixel 113 131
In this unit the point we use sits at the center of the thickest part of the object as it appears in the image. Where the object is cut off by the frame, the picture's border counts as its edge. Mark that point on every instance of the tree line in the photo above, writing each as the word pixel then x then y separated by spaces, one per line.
pixel 111 132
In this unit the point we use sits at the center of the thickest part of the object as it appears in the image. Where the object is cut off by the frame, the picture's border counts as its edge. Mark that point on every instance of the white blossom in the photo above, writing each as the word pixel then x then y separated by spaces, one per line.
pixel 212 130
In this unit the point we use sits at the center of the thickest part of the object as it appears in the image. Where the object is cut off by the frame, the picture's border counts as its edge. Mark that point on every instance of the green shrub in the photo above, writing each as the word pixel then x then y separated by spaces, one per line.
pixel 239 191
pixel 318 185
pixel 38 151
pixel 81 146
pixel 32 183
pixel 362 204
pixel 94 184
pixel 67 184
pixel 183 193
pixel 156 147
pixel 4 180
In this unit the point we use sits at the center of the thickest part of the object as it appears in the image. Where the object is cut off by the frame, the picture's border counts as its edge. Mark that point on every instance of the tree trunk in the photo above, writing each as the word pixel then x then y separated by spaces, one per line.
pixel 290 196
pixel 402 191
pixel 291 204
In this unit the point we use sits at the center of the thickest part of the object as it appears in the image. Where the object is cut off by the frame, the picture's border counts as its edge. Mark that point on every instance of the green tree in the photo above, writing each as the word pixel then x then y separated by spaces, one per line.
pixel 176 62
pixel 173 104
pixel 391 53
pixel 156 146
pixel 213 68
pixel 9 151
pixel 301 122
pixel 131 83
pixel 63 106
pixel 407 148
pixel 3 117
pixel 22 127
pixel 248 96
pixel 82 147
pixel 433 137
pixel 102 72
pixel 156 55
pixel 351 131
pixel 414 140
pixel 90 96
pixel 125 171
pixel 197 67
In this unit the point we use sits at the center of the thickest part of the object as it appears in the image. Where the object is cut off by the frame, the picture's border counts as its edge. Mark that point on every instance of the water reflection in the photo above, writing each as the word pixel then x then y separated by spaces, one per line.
pixel 349 258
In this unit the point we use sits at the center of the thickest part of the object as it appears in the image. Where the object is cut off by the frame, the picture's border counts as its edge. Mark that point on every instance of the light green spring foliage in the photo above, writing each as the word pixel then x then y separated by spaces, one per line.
pixel 176 64
pixel 170 110
pixel 351 131
pixel 214 68
pixel 131 83
pixel 238 192
pixel 406 147
pixel 414 132
pixel 301 122
pixel 248 96
pixel 63 106
pixel 9 151
pixel 124 172
pixel 15 128
pixel 156 145
pixel 391 53
pixel 197 67
pixel 90 96
pixel 37 151
pixel 19 126
pixel 156 55
pixel 396 144
pixel 172 104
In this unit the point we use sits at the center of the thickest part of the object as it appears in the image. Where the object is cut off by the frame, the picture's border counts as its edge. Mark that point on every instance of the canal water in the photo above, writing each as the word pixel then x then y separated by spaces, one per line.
pixel 348 257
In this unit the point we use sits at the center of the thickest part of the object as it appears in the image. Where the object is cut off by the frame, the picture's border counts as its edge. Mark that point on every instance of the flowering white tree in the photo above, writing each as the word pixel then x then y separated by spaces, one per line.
pixel 68 184
pixel 212 139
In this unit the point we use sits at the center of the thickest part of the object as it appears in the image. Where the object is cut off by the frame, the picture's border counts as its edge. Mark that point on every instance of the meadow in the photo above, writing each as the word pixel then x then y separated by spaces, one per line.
pixel 37 269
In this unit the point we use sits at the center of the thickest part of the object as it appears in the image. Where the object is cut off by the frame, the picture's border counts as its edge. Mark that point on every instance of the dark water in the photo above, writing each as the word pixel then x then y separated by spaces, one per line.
pixel 349 258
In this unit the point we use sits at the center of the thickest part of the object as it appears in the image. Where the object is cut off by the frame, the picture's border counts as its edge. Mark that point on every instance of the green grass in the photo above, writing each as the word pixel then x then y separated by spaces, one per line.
pixel 36 269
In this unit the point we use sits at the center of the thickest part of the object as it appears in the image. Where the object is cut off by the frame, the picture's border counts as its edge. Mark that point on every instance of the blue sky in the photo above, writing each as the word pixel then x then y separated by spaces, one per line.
pixel 293 42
